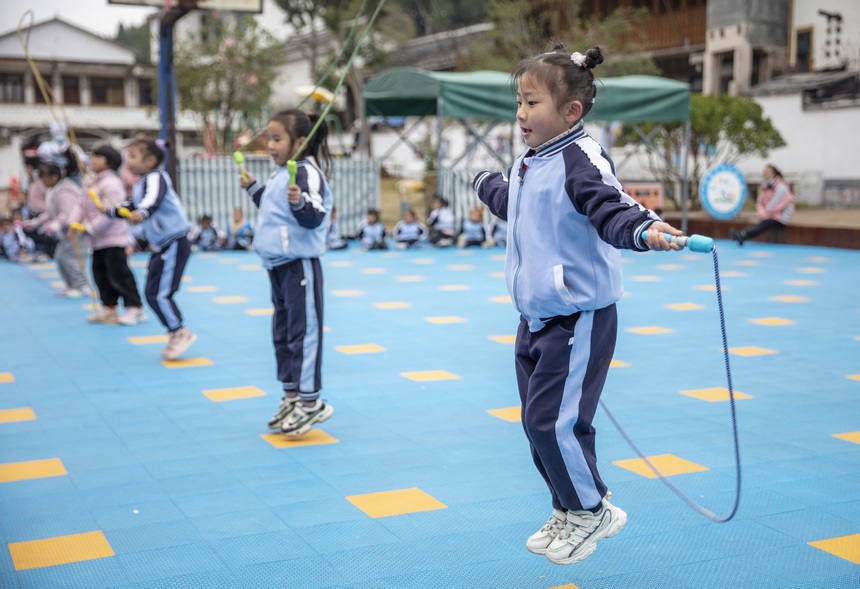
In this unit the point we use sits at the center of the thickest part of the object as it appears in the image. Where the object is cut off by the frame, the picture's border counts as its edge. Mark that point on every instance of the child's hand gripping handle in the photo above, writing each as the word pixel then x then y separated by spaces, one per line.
pixel 240 160
pixel 694 243
pixel 292 168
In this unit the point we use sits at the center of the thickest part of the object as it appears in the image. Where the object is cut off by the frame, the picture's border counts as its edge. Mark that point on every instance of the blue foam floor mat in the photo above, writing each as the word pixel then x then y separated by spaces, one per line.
pixel 118 471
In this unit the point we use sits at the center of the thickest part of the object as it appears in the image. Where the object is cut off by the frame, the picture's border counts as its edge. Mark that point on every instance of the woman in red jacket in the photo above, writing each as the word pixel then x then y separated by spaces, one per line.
pixel 774 208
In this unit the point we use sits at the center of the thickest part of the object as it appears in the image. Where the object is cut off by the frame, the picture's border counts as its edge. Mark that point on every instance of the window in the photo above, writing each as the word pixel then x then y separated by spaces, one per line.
pixel 727 71
pixel 145 97
pixel 71 90
pixel 11 88
pixel 107 91
pixel 803 51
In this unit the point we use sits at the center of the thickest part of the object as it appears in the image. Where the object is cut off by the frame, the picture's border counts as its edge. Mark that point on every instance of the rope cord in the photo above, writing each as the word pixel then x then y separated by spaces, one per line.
pixel 684 497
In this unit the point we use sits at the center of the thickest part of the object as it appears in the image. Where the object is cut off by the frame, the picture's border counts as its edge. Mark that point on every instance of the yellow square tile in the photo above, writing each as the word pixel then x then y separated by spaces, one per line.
pixel 202 289
pixel 710 287
pixel 89 307
pixel 649 330
pixel 13 415
pixel 454 287
pixel 45 266
pixel 670 267
pixel 644 278
pixel 460 267
pixel 801 282
pixel 817 259
pixel 790 299
pixel 733 274
pixel 752 351
pixel 444 320
pixel 6 377
pixel 187 279
pixel 47 552
pixel 504 339
pixel 58 284
pixel 340 264
pixel 497 274
pixel 148 339
pixel 714 395
pixel 847 547
pixel 684 307
pixel 512 414
pixel 849 437
pixel 429 375
pixel 390 255
pixel 503 299
pixel 373 270
pixel 772 321
pixel 229 300
pixel 219 395
pixel 760 255
pixel 811 270
pixel 188 363
pixel 853 376
pixel 667 464
pixel 360 349
pixel 259 312
pixel 424 261
pixel 618 364
pixel 346 293
pixel 392 305
pixel 410 278
pixel 315 437
pixel 388 503
pixel 32 469
pixel 568 586
pixel 250 267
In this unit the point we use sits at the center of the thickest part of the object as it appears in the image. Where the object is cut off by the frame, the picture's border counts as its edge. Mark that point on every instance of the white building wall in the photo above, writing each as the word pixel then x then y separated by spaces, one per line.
pixel 805 15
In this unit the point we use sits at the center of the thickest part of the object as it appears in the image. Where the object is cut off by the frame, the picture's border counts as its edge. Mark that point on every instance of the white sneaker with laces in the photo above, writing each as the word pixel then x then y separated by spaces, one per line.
pixel 70 293
pixel 539 541
pixel 284 411
pixel 105 315
pixel 583 531
pixel 133 316
pixel 180 341
pixel 300 420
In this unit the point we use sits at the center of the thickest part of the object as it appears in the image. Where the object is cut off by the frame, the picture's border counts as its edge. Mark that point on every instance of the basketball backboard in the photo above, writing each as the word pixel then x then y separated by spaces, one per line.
pixel 225 5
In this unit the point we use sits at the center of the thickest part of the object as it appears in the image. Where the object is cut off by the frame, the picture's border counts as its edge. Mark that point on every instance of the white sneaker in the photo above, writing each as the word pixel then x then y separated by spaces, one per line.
pixel 133 316
pixel 300 420
pixel 539 541
pixel 106 315
pixel 284 411
pixel 70 293
pixel 180 341
pixel 583 531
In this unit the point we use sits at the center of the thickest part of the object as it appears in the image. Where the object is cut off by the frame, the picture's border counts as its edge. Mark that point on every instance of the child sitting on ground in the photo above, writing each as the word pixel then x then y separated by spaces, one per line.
pixel 371 232
pixel 441 223
pixel 240 234
pixel 473 234
pixel 409 233
pixel 206 236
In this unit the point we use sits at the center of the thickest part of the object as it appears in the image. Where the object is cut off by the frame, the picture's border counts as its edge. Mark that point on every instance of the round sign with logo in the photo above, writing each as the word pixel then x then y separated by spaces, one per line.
pixel 723 191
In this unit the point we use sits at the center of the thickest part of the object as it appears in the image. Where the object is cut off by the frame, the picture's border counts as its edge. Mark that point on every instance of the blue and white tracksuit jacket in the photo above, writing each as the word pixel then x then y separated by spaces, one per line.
pixel 290 240
pixel 566 214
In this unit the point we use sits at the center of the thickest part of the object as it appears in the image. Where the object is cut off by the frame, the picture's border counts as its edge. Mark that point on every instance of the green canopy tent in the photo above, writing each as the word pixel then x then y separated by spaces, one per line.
pixel 490 96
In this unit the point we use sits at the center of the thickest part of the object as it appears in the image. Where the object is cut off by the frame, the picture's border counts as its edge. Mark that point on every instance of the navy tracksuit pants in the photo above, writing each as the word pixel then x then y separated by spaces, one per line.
pixel 163 279
pixel 561 370
pixel 297 294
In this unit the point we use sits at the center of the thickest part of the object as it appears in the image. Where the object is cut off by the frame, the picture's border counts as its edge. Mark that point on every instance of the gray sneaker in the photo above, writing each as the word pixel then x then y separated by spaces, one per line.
pixel 582 531
pixel 539 541
pixel 300 420
pixel 286 407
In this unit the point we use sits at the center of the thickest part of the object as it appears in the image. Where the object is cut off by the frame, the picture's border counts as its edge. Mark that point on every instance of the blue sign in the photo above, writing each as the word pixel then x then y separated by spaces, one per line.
pixel 723 191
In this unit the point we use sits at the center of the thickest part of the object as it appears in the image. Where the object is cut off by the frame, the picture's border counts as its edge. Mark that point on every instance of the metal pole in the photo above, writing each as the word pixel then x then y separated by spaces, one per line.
pixel 440 126
pixel 167 87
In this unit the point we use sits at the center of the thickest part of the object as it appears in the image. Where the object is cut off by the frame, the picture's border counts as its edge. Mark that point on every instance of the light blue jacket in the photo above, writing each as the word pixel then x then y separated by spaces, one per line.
pixel 164 217
pixel 567 215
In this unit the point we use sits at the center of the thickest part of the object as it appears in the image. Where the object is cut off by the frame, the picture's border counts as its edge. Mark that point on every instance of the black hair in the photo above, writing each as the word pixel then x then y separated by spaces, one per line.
pixel 776 171
pixel 570 80
pixel 111 155
pixel 297 123
pixel 155 148
pixel 51 169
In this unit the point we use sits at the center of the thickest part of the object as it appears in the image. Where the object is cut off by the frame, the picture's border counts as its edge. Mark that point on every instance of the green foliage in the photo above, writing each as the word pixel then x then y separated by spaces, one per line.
pixel 137 39
pixel 226 73
pixel 522 29
pixel 724 129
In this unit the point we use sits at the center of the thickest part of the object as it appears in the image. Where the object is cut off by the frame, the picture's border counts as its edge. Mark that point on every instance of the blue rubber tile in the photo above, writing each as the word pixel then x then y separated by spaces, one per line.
pixel 137 513
pixel 208 481
pixel 125 494
pixel 51 486
pixel 239 552
pixel 205 580
pixel 219 502
pixel 238 523
pixel 102 572
pixel 171 562
pixel 37 527
pixel 172 467
pixel 38 504
pixel 94 478
pixel 292 573
pixel 318 511
pixel 347 535
pixel 284 494
pixel 144 538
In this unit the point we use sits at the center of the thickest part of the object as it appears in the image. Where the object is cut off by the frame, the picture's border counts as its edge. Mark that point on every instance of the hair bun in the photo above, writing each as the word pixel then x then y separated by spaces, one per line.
pixel 593 58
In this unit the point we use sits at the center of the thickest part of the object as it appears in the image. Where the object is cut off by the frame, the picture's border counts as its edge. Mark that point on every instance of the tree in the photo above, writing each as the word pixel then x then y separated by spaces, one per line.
pixel 137 39
pixel 724 129
pixel 522 28
pixel 226 73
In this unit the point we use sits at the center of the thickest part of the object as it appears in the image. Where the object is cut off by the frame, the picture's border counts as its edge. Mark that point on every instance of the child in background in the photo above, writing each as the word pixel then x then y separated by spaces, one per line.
pixel 499 232
pixel 409 233
pixel 441 223
pixel 240 234
pixel 371 232
pixel 155 206
pixel 63 195
pixel 333 239
pixel 473 234
pixel 110 237
pixel 206 237
pixel 564 276
pixel 290 238
pixel 15 245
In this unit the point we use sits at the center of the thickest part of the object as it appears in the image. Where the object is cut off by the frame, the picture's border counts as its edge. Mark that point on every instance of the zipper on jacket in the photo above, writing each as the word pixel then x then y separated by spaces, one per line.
pixel 522 176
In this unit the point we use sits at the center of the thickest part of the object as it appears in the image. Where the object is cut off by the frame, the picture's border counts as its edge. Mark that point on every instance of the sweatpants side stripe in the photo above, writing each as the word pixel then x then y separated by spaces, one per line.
pixel 312 329
pixel 165 286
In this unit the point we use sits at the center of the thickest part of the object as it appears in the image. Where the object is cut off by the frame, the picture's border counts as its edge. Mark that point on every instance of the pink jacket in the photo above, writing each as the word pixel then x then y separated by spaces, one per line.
pixel 61 200
pixel 775 202
pixel 104 231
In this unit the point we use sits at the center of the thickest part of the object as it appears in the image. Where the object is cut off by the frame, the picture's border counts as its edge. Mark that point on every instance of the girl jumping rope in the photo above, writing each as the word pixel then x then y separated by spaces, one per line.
pixel 567 215
pixel 295 204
